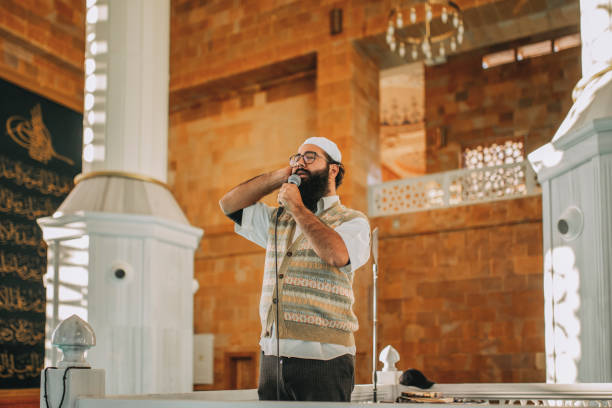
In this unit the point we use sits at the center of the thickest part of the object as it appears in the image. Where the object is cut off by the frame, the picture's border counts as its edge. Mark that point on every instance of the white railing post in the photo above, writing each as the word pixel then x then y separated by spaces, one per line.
pixel 389 375
pixel 73 377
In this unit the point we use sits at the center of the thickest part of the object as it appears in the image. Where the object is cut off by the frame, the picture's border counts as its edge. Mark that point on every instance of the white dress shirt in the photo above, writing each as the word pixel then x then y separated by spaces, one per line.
pixel 356 236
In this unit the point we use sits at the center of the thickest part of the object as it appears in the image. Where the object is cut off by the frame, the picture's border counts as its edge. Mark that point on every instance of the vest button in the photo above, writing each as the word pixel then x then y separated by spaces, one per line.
pixel 274 300
pixel 281 276
pixel 289 253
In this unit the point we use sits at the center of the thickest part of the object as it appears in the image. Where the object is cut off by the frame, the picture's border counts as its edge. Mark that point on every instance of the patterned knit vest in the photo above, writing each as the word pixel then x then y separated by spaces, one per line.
pixel 316 298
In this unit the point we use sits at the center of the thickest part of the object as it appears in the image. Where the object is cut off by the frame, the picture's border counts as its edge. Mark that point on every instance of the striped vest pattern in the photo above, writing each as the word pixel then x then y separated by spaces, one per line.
pixel 316 298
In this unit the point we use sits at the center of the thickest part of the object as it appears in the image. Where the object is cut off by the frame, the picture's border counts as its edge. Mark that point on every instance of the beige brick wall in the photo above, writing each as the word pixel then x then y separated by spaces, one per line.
pixel 212 46
pixel 42 47
pixel 209 155
pixel 461 294
pixel 526 99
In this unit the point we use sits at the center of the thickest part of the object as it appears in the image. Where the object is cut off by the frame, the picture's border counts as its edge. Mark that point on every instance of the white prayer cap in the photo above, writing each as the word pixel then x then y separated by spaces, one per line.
pixel 327 145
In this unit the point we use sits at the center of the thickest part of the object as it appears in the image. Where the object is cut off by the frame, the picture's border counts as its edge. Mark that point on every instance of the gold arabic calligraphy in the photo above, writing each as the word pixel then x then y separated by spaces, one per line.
pixel 27 206
pixel 29 369
pixel 19 234
pixel 34 136
pixel 31 177
pixel 20 299
pixel 21 331
pixel 25 267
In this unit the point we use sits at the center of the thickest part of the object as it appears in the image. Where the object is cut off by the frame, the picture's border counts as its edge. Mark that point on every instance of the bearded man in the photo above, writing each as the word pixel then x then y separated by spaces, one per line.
pixel 313 247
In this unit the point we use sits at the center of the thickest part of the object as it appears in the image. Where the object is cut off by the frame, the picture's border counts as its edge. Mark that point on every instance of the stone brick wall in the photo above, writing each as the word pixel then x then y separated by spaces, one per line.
pixel 210 153
pixel 42 47
pixel 218 128
pixel 220 38
pixel 461 294
pixel 347 107
pixel 526 99
pixel 213 45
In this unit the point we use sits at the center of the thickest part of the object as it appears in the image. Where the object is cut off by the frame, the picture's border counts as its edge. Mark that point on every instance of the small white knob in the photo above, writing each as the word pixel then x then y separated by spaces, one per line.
pixel 74 336
pixel 389 356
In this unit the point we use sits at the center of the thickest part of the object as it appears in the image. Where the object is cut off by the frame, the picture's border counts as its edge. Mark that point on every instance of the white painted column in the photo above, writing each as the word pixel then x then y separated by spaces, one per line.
pixel 595 23
pixel 127 74
pixel 575 170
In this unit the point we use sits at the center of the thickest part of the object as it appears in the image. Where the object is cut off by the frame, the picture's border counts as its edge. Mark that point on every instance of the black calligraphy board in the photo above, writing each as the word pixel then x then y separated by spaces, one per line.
pixel 40 153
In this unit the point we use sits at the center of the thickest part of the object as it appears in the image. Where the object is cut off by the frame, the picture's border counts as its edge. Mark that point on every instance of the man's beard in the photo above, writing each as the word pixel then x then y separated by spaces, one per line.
pixel 314 187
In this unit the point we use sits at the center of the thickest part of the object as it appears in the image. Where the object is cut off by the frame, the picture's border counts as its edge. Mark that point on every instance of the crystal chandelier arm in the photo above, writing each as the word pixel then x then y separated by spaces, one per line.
pixel 442 37
pixel 419 40
pixel 412 40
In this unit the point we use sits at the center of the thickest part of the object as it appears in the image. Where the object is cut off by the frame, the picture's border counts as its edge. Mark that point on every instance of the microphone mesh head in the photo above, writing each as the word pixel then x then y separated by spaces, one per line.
pixel 295 179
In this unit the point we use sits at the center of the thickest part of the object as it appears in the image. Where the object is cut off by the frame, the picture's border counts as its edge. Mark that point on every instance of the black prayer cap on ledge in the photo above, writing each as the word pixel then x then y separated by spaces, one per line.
pixel 415 378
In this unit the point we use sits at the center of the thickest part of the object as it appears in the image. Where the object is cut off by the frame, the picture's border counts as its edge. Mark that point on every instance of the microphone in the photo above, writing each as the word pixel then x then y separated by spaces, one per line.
pixel 294 179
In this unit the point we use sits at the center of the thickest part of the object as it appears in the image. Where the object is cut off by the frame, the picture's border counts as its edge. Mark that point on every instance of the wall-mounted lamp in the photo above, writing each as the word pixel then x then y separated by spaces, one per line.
pixel 335 21
pixel 440 137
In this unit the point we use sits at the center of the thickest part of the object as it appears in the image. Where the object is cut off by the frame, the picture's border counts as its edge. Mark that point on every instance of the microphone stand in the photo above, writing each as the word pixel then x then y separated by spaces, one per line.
pixel 375 321
pixel 278 213
pixel 293 179
pixel 374 310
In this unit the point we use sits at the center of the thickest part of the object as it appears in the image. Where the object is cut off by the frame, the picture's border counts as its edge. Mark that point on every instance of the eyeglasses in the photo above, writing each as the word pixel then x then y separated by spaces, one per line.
pixel 308 157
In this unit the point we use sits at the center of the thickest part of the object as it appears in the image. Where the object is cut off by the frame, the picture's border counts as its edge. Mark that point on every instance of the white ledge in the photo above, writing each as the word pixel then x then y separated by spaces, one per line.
pixel 70 226
pixel 500 393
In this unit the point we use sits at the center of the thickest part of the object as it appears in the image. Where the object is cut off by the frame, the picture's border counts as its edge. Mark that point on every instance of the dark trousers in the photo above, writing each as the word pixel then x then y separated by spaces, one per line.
pixel 307 380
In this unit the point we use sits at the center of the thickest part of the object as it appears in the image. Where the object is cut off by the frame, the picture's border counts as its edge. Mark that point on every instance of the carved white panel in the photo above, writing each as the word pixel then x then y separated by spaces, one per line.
pixel 453 188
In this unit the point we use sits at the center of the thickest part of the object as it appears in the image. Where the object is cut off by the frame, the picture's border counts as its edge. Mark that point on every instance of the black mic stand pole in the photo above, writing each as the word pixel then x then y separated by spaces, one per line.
pixel 374 309
pixel 293 179
pixel 278 213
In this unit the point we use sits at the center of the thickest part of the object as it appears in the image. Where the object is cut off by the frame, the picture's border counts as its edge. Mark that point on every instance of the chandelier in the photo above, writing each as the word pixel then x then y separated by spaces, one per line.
pixel 431 44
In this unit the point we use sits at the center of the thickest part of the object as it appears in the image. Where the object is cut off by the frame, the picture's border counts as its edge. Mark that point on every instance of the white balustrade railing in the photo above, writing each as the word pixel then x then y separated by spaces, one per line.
pixel 453 188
